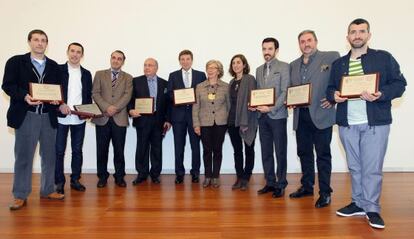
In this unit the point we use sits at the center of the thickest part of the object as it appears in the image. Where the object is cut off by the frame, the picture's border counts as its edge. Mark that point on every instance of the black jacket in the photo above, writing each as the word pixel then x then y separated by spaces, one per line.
pixel 86 80
pixel 140 89
pixel 19 71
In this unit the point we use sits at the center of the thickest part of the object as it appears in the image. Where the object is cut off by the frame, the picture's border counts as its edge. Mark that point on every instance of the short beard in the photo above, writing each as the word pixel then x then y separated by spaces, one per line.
pixel 358 46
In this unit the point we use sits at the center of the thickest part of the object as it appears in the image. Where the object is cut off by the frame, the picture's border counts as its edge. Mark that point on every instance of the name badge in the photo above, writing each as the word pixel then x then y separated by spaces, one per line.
pixel 211 96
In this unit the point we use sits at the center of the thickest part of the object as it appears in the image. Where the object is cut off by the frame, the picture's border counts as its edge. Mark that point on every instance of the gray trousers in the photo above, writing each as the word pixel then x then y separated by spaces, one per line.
pixel 35 128
pixel 365 148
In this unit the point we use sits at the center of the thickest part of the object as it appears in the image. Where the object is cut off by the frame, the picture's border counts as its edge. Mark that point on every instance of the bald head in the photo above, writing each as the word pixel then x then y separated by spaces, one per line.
pixel 150 67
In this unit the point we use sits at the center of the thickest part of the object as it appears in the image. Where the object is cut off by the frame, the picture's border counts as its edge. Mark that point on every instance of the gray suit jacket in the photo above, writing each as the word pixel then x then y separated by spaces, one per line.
pixel 245 117
pixel 279 78
pixel 104 95
pixel 319 72
pixel 206 112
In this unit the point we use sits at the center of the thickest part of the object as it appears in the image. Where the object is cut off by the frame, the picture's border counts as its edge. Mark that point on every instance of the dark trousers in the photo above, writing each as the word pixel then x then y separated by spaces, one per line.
pixel 149 147
pixel 77 134
pixel 212 138
pixel 180 130
pixel 237 142
pixel 104 135
pixel 308 137
pixel 273 133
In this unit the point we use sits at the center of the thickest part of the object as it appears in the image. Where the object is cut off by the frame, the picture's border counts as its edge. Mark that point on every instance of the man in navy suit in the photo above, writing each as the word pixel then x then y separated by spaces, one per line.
pixel 181 117
pixel 151 127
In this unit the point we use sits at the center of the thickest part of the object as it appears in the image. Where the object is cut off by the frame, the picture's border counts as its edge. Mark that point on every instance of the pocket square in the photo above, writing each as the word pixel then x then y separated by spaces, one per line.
pixel 324 67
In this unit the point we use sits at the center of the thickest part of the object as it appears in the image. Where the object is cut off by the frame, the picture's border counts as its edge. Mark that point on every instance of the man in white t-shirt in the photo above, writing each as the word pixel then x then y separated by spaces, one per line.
pixel 77 90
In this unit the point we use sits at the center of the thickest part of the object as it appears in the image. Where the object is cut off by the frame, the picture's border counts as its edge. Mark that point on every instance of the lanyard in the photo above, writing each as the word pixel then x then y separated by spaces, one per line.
pixel 39 108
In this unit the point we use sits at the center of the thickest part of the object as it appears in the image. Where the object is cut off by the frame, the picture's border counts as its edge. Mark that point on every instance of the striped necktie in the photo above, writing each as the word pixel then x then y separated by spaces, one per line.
pixel 114 77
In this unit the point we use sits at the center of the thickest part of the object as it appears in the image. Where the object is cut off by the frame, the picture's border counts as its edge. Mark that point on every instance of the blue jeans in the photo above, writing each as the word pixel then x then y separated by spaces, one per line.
pixel 77 134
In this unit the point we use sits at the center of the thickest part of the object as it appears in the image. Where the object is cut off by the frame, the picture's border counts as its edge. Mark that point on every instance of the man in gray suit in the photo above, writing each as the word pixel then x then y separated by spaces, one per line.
pixel 272 119
pixel 112 90
pixel 313 123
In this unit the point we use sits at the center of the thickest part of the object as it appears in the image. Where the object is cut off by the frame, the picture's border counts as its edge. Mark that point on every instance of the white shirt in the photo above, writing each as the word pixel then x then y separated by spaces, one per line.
pixel 74 95
pixel 190 77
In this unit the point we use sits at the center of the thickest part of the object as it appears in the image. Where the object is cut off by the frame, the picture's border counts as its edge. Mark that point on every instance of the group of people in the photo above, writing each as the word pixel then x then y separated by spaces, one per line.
pixel 220 107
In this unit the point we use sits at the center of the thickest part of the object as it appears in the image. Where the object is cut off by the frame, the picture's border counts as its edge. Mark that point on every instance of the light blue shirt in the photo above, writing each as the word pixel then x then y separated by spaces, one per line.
pixel 40 67
pixel 153 86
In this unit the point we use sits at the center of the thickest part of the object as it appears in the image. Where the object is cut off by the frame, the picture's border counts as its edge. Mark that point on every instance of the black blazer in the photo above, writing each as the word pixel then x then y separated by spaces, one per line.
pixel 86 80
pixel 19 71
pixel 140 89
pixel 175 82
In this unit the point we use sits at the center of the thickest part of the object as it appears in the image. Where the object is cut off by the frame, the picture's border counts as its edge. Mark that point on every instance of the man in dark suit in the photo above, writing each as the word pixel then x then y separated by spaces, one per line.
pixel 150 128
pixel 77 90
pixel 181 117
pixel 112 89
pixel 34 121
pixel 313 123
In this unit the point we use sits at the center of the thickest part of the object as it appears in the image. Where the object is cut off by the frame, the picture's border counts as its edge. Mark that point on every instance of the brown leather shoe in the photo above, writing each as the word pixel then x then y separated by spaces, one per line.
pixel 54 196
pixel 17 204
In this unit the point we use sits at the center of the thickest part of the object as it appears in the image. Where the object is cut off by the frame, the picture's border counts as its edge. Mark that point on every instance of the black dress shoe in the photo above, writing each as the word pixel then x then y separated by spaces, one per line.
pixel 138 180
pixel 243 186
pixel 101 183
pixel 60 188
pixel 266 189
pixel 120 183
pixel 195 178
pixel 279 192
pixel 155 180
pixel 301 192
pixel 323 201
pixel 179 179
pixel 76 185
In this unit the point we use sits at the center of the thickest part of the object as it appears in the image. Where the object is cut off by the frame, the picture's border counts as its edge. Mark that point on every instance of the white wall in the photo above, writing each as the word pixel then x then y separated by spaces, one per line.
pixel 211 29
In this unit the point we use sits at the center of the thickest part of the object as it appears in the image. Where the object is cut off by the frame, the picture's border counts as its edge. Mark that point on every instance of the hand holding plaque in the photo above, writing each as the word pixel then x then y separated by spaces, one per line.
pixel 353 86
pixel 299 95
pixel 145 106
pixel 87 111
pixel 46 92
pixel 184 96
pixel 262 97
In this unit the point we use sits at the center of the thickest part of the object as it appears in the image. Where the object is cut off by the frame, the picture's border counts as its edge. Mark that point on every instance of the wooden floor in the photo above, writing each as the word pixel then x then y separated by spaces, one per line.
pixel 189 211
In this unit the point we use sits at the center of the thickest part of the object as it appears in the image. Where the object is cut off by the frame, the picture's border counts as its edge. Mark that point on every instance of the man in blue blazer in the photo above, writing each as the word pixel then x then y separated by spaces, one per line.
pixel 77 90
pixel 181 117
pixel 150 128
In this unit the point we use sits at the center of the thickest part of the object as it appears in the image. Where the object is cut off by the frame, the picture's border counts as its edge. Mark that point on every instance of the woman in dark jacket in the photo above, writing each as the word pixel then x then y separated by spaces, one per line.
pixel 242 123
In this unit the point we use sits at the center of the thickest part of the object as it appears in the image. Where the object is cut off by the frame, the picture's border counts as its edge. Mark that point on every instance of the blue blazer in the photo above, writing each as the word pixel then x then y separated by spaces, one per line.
pixel 86 80
pixel 175 82
pixel 392 85
pixel 140 89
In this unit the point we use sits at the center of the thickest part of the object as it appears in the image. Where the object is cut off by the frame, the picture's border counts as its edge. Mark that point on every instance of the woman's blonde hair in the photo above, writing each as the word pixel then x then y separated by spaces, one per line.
pixel 218 65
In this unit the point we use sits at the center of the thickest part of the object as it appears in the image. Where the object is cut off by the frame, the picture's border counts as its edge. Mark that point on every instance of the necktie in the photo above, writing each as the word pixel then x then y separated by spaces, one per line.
pixel 186 79
pixel 153 91
pixel 114 77
pixel 267 69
